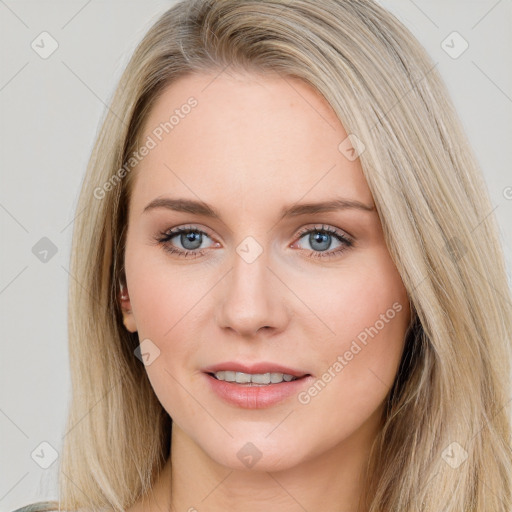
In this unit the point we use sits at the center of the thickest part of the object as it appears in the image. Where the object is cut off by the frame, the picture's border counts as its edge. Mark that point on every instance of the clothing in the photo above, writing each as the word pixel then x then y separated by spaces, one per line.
pixel 39 506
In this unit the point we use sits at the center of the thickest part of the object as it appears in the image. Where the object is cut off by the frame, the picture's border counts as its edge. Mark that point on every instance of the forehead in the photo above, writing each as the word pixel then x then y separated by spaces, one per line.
pixel 229 137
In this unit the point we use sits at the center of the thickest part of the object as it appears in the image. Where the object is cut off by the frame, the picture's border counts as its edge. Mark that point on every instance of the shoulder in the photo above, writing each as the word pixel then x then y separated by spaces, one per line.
pixel 40 506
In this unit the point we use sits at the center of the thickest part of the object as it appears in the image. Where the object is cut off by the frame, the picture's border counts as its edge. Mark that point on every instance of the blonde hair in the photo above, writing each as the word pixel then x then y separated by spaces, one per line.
pixel 454 378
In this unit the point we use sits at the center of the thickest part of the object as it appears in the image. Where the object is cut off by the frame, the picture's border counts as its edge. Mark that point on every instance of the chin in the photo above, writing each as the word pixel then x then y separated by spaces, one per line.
pixel 257 454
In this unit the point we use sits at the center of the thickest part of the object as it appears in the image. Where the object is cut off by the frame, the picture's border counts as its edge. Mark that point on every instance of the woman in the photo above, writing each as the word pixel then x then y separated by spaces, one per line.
pixel 287 249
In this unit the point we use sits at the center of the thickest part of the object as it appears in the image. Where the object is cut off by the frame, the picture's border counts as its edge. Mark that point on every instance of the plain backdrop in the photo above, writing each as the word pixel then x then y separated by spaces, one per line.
pixel 50 113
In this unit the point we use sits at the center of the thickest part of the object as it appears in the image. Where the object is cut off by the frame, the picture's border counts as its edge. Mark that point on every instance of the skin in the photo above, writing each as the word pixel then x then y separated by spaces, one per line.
pixel 253 145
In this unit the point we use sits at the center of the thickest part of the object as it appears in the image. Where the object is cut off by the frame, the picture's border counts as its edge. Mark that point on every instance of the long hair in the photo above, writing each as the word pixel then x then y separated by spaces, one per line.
pixel 445 437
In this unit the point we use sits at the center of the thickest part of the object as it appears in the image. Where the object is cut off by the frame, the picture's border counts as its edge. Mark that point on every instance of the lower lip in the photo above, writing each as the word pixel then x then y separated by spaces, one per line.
pixel 256 396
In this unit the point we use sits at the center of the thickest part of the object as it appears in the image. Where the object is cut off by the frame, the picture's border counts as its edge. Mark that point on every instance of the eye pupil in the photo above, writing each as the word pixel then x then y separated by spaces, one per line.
pixel 191 237
pixel 320 238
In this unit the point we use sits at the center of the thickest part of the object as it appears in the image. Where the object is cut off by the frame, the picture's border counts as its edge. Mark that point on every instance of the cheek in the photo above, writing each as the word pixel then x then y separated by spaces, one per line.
pixel 161 295
pixel 373 313
pixel 171 306
pixel 360 301
pixel 163 299
pixel 369 313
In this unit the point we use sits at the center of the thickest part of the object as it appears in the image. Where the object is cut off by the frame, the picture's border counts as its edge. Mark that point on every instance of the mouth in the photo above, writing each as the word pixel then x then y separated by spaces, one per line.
pixel 254 379
pixel 259 374
pixel 255 386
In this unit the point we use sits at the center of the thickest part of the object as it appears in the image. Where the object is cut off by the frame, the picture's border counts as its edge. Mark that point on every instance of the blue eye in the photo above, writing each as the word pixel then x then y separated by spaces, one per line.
pixel 191 239
pixel 321 238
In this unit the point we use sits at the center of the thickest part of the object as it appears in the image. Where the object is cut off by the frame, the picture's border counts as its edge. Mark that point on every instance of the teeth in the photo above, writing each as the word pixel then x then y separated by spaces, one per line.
pixel 259 378
pixel 230 376
pixel 241 378
pixel 254 378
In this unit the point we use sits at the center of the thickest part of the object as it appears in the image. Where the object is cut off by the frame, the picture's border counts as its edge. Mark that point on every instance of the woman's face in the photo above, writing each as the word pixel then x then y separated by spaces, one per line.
pixel 269 284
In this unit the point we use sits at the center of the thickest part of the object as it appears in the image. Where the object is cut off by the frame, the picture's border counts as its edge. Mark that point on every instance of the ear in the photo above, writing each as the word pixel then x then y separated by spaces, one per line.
pixel 126 308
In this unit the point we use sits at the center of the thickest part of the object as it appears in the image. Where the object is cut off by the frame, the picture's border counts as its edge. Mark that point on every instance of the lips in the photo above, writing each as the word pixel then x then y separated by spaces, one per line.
pixel 255 386
pixel 256 368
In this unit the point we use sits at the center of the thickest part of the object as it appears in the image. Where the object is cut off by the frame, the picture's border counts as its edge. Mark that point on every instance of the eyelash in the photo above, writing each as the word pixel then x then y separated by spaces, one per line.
pixel 166 236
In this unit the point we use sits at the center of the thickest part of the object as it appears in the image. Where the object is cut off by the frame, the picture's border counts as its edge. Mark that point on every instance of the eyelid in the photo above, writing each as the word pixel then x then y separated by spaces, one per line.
pixel 188 227
pixel 328 229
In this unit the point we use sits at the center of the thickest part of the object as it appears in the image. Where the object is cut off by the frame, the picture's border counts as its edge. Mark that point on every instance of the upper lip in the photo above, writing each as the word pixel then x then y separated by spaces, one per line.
pixel 262 367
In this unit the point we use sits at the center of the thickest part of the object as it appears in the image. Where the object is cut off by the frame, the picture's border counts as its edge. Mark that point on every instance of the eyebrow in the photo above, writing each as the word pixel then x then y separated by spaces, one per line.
pixel 201 208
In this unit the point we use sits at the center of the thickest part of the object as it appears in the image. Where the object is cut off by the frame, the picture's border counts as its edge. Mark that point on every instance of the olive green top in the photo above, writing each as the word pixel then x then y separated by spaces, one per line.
pixel 40 506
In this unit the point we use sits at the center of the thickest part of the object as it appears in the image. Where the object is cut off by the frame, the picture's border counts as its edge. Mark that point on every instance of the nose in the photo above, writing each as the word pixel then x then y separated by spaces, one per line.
pixel 252 299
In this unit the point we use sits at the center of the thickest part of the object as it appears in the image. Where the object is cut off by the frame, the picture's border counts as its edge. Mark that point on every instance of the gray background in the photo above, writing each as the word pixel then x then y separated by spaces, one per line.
pixel 50 114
